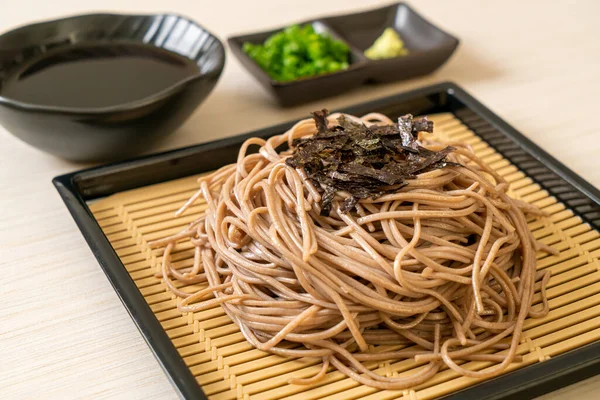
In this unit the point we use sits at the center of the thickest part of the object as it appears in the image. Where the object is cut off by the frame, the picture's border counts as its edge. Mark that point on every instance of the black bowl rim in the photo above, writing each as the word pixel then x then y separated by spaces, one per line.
pixel 233 41
pixel 128 106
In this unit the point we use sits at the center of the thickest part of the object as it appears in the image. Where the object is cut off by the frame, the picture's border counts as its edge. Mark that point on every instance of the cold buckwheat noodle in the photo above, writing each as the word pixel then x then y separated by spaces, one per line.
pixel 442 271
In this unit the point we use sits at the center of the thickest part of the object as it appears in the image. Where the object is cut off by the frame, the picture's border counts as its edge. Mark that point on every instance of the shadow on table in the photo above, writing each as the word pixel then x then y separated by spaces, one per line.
pixel 465 66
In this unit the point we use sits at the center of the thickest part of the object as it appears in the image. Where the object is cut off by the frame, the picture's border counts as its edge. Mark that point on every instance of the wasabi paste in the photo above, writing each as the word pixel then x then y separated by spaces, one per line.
pixel 388 45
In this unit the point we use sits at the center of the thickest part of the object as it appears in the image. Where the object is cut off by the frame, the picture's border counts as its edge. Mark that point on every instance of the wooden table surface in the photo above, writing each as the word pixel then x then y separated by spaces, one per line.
pixel 64 333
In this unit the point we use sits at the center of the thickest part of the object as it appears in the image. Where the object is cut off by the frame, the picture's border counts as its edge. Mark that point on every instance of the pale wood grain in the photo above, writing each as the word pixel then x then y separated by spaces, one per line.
pixel 63 331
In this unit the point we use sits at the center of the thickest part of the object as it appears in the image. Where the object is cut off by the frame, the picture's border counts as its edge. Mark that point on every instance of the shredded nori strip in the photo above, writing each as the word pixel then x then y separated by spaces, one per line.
pixel 365 162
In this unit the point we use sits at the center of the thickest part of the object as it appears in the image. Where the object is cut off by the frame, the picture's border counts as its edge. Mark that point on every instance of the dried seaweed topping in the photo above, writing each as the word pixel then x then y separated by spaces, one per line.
pixel 365 162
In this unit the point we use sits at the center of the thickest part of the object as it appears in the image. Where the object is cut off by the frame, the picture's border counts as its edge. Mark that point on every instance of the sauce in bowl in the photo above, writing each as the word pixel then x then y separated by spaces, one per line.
pixel 97 75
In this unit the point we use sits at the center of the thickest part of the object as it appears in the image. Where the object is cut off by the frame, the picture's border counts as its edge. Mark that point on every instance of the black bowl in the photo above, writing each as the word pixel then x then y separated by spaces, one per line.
pixel 108 132
pixel 429 48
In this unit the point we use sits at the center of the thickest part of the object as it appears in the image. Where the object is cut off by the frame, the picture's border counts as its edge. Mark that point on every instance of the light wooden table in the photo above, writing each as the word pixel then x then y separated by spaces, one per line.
pixel 64 333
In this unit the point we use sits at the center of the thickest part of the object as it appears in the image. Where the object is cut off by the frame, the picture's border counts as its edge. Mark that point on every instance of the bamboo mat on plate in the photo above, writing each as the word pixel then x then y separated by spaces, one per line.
pixel 228 367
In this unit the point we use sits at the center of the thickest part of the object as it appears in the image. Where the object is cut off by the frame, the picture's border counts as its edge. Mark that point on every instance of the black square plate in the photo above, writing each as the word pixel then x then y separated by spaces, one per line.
pixel 429 47
pixel 583 199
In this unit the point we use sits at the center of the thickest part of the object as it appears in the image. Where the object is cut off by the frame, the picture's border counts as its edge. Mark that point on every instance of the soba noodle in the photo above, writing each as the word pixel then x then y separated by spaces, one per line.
pixel 442 272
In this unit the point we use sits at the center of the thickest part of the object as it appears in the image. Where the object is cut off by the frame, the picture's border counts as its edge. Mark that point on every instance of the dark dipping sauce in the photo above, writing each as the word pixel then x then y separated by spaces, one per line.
pixel 95 76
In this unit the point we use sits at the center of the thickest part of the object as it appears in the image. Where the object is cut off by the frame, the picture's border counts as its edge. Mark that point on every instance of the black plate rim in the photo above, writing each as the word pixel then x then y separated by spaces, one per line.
pixel 534 380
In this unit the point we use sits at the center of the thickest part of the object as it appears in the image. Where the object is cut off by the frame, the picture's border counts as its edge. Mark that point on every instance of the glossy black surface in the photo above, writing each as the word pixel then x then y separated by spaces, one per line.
pixel 429 48
pixel 154 70
pixel 580 196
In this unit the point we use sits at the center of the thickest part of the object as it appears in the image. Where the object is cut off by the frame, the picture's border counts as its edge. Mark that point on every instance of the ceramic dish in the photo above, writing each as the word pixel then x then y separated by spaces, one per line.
pixel 85 133
pixel 429 48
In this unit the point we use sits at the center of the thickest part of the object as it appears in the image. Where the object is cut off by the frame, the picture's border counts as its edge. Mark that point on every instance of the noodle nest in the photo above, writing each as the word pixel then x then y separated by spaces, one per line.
pixel 441 271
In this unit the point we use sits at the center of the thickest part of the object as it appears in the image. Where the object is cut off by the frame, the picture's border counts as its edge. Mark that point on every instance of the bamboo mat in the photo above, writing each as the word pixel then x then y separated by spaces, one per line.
pixel 228 367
